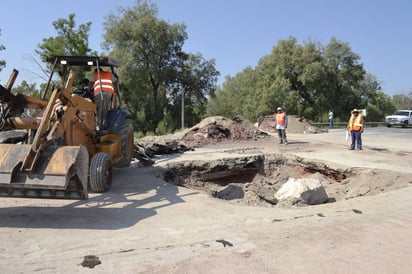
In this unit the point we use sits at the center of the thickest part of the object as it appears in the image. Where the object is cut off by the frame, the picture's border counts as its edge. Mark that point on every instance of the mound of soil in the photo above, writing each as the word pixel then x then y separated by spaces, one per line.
pixel 220 129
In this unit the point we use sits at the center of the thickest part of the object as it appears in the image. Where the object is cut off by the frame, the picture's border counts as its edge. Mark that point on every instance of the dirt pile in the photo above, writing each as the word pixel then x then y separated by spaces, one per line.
pixel 218 129
pixel 210 130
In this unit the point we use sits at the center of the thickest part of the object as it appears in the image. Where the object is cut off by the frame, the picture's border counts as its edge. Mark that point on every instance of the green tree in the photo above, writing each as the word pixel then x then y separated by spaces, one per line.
pixel 154 66
pixel 222 102
pixel 402 101
pixel 377 103
pixel 344 75
pixel 299 66
pixel 150 50
pixel 380 106
pixel 196 81
pixel 2 62
pixel 247 95
pixel 307 79
pixel 27 88
pixel 68 41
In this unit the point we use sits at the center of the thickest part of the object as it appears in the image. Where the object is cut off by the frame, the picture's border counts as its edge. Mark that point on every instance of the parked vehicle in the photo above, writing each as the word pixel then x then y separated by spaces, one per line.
pixel 399 118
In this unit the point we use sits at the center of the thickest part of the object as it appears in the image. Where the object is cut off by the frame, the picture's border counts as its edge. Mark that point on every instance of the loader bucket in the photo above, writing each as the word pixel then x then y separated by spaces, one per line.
pixel 60 172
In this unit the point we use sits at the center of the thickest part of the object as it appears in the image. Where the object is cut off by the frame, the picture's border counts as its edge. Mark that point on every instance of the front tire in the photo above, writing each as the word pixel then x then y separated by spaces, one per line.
pixel 405 124
pixel 101 172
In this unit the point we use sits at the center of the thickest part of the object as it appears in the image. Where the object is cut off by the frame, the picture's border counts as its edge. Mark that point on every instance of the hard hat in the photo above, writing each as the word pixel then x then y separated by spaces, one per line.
pixel 355 110
pixel 279 108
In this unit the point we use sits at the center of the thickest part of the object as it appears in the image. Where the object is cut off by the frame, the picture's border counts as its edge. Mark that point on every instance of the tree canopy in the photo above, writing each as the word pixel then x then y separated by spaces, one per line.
pixel 402 101
pixel 155 71
pixel 68 41
pixel 306 79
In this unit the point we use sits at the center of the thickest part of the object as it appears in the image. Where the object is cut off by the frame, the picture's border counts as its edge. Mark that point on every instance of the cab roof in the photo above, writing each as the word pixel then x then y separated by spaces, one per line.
pixel 83 61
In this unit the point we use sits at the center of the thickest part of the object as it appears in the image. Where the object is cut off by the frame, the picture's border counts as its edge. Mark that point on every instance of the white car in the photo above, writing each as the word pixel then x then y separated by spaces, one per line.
pixel 399 118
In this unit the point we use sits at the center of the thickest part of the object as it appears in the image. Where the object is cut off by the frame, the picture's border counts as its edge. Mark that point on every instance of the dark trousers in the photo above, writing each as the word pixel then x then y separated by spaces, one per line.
pixel 282 135
pixel 356 139
pixel 102 101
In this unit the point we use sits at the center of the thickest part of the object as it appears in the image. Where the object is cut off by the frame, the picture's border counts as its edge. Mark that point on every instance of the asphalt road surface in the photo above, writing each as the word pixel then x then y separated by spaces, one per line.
pixel 382 132
pixel 145 225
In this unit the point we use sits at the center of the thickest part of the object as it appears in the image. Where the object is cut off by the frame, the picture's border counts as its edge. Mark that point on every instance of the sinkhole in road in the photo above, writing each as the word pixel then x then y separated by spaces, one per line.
pixel 251 177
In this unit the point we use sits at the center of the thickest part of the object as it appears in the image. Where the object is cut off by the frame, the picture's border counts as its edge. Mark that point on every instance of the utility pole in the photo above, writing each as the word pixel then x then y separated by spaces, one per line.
pixel 183 109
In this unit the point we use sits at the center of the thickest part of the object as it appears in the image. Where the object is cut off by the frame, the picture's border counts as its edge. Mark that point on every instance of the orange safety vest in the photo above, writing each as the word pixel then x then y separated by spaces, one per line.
pixel 355 122
pixel 281 119
pixel 107 83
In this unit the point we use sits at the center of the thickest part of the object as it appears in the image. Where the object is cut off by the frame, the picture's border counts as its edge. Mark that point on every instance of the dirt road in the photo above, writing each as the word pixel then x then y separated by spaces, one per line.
pixel 145 225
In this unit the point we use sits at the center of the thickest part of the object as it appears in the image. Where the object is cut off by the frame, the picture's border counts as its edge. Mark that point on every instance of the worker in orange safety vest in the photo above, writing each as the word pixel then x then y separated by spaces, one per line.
pixel 281 123
pixel 103 94
pixel 355 127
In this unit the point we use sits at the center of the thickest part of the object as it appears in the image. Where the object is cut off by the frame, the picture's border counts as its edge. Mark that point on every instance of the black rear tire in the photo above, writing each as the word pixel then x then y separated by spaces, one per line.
pixel 405 124
pixel 126 133
pixel 101 172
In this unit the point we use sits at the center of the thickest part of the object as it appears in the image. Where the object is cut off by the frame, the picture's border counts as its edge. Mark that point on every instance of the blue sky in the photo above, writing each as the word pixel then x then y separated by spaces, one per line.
pixel 236 33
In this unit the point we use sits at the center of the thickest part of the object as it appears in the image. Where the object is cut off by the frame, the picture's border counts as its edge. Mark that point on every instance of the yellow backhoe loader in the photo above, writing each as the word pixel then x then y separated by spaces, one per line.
pixel 54 148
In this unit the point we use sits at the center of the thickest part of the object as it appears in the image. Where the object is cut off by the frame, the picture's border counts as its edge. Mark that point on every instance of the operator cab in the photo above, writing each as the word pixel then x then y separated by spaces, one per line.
pixel 92 69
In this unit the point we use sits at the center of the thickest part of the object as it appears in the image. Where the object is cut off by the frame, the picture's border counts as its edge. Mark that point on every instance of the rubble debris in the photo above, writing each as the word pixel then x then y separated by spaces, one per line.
pixel 302 191
pixel 166 148
pixel 140 154
pixel 224 242
pixel 231 192
pixel 219 129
